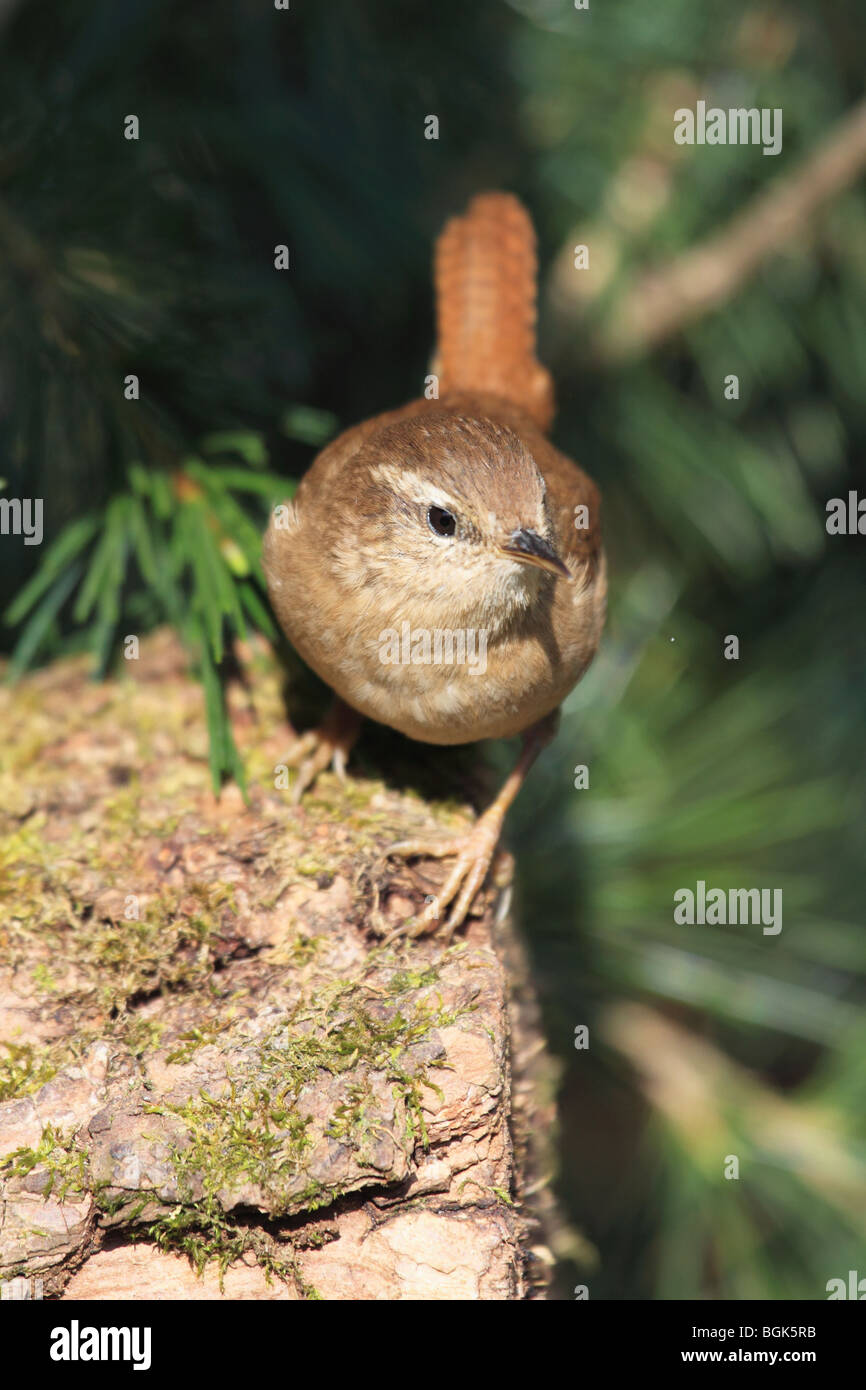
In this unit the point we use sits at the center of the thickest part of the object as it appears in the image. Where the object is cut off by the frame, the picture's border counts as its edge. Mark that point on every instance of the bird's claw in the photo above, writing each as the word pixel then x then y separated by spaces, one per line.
pixel 473 855
pixel 313 753
pixel 318 749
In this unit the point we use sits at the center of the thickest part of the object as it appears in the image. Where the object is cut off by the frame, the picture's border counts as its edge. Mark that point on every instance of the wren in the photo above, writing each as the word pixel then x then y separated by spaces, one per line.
pixel 448 525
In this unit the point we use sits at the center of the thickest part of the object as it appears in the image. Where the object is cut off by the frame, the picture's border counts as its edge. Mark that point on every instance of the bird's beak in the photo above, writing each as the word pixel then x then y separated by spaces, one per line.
pixel 533 549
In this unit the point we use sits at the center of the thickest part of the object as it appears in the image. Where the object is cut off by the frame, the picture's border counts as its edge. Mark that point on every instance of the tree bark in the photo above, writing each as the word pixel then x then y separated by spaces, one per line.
pixel 215 1080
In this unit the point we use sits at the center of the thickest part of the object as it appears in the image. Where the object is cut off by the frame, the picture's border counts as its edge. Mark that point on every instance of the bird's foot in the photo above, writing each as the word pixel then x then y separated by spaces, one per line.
pixel 473 853
pixel 327 746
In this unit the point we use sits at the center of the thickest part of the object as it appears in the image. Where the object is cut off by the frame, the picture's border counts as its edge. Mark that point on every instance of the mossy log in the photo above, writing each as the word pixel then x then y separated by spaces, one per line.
pixel 215 1081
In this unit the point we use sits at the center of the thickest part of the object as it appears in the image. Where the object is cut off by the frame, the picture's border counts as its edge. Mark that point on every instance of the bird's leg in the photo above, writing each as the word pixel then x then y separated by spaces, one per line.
pixel 329 745
pixel 474 851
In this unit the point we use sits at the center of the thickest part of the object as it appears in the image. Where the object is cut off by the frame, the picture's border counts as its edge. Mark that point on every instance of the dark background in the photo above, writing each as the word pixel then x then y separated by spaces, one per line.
pixel 306 127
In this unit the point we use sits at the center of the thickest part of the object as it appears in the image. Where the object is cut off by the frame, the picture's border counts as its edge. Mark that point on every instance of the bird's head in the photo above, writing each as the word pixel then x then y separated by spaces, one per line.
pixel 448 516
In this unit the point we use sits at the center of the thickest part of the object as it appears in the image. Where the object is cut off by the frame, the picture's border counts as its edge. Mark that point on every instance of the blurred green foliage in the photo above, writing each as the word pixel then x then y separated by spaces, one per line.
pixel 155 258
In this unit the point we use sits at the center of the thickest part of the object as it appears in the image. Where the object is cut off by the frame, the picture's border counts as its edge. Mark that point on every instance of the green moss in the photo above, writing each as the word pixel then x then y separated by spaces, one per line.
pixel 22 877
pixel 43 979
pixel 253 1133
pixel 138 1035
pixel 166 947
pixel 207 1237
pixel 201 1233
pixel 23 1069
pixel 114 961
pixel 404 980
pixel 64 1166
pixel 121 811
pixel 248 1136
pixel 311 867
pixel 189 1042
pixel 304 949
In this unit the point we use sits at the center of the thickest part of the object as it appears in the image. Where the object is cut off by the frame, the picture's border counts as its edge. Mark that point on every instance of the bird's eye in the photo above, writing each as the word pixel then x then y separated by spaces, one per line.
pixel 441 523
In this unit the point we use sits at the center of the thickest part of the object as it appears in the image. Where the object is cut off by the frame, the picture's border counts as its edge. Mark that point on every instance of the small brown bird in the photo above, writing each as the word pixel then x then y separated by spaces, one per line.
pixel 441 565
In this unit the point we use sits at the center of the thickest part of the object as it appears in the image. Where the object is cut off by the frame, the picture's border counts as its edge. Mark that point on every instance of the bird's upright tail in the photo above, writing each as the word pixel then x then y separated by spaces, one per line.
pixel 485 274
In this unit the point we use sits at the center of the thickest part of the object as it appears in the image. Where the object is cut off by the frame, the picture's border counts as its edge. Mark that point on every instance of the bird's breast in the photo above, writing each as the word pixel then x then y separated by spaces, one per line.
pixel 438 685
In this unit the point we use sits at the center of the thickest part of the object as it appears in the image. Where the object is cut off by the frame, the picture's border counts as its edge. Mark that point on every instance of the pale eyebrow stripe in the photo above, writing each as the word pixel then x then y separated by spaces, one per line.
pixel 420 489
